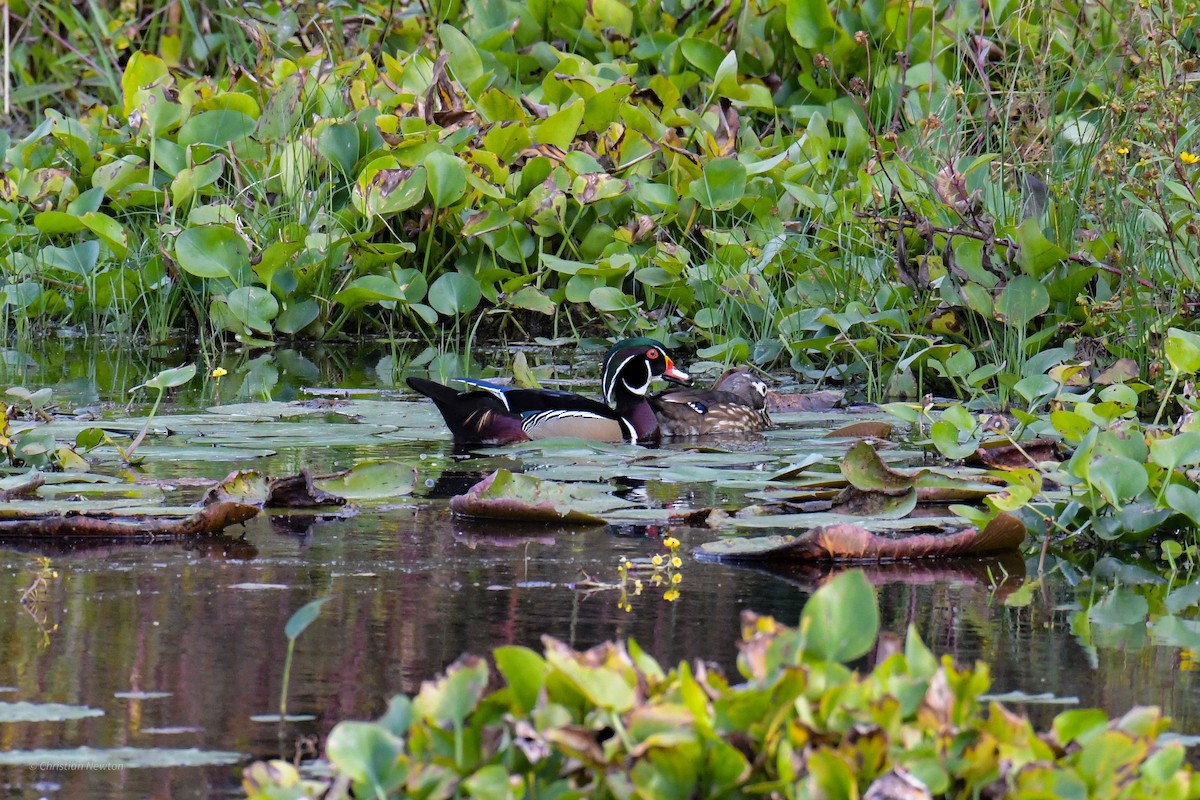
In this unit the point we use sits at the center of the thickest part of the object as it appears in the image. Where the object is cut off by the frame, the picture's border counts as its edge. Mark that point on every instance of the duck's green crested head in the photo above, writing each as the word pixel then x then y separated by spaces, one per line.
pixel 632 364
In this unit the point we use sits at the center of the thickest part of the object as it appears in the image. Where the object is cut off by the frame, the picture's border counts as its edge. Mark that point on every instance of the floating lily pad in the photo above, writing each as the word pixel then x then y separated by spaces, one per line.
pixel 283 718
pixel 44 712
pixel 141 492
pixel 513 496
pixel 370 480
pixel 1017 696
pixel 846 542
pixel 126 757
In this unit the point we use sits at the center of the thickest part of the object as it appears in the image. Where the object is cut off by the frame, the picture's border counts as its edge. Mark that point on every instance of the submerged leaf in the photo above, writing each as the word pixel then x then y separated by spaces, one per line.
pixel 509 496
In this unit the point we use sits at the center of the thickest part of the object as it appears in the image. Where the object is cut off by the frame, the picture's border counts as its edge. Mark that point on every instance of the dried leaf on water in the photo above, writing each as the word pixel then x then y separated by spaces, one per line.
pixel 846 542
pixel 40 519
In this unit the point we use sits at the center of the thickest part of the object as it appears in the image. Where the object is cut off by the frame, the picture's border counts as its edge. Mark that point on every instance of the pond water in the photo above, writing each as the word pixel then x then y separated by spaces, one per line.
pixel 174 648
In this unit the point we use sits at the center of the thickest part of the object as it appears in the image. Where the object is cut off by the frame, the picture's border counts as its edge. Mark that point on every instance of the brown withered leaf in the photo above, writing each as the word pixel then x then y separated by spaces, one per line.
pixel 1029 454
pixel 128 522
pixel 845 542
pixel 1122 370
pixel 823 400
pixel 868 429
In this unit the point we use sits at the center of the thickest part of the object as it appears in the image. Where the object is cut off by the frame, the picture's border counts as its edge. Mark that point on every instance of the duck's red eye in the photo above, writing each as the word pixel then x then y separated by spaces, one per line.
pixel 651 354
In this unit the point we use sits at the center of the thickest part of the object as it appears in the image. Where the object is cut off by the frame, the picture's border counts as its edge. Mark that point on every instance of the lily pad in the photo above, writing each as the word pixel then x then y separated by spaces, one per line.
pixel 44 712
pixel 512 496
pixel 126 757
pixel 370 480
pixel 854 543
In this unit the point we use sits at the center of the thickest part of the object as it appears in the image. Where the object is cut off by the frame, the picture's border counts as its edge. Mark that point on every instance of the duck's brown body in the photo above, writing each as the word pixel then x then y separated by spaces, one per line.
pixel 736 404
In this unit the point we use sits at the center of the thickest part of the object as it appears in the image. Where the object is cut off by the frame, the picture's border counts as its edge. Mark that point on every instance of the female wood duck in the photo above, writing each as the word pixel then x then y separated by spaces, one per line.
pixel 491 414
pixel 737 403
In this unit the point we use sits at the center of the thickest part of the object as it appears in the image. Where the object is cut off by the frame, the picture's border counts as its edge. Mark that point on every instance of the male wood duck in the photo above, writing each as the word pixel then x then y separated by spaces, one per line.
pixel 737 403
pixel 491 414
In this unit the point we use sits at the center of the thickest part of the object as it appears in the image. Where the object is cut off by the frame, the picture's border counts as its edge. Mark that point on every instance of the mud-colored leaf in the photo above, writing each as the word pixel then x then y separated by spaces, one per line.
pixel 867 429
pixel 851 543
pixel 876 505
pixel 96 519
pixel 1123 370
pixel 823 400
pixel 1023 455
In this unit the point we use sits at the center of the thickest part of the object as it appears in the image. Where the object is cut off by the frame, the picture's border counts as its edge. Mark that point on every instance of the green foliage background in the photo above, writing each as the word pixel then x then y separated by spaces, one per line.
pixel 902 192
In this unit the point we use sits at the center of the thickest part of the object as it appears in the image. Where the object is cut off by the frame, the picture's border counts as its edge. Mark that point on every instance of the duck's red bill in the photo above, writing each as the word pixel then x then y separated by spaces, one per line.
pixel 675 375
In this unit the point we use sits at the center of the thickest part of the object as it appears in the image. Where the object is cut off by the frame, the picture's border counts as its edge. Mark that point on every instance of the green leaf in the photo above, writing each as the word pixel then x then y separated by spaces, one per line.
pixel 142 70
pixel 254 307
pixel 1022 300
pixel 1183 351
pixel 212 251
pixel 559 129
pixel 109 231
pixel 447 178
pixel 1121 606
pixel 283 109
pixel 1181 450
pixel 370 289
pixel 841 620
pixel 1118 478
pixel 1037 254
pixel 490 783
pixel 464 62
pixel 217 128
pixel 170 378
pixel 525 671
pixel 370 755
pixel 1185 501
pixel 304 616
pixel 810 22
pixel 297 316
pixel 532 299
pixel 721 185
pixel 704 55
pixel 1070 726
pixel 448 700
pixel 383 188
pixel 454 293
pixel 80 258
pixel 371 480
pixel 611 299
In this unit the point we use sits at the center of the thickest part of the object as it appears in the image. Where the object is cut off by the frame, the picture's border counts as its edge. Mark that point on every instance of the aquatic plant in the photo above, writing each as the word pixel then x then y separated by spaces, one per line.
pixel 610 722
pixel 904 201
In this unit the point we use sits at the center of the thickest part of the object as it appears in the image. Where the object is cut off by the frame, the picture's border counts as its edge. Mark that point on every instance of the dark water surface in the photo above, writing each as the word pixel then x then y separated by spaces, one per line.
pixel 181 644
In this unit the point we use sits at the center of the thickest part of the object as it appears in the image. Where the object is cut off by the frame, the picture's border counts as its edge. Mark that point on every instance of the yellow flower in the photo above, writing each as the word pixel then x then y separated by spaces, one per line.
pixel 1122 150
pixel 676 578
pixel 656 560
pixel 676 562
pixel 671 542
pixel 1189 158
pixel 219 372
pixel 671 595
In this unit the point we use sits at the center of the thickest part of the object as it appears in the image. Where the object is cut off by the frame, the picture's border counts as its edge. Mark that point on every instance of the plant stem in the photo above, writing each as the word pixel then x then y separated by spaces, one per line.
pixel 287 671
